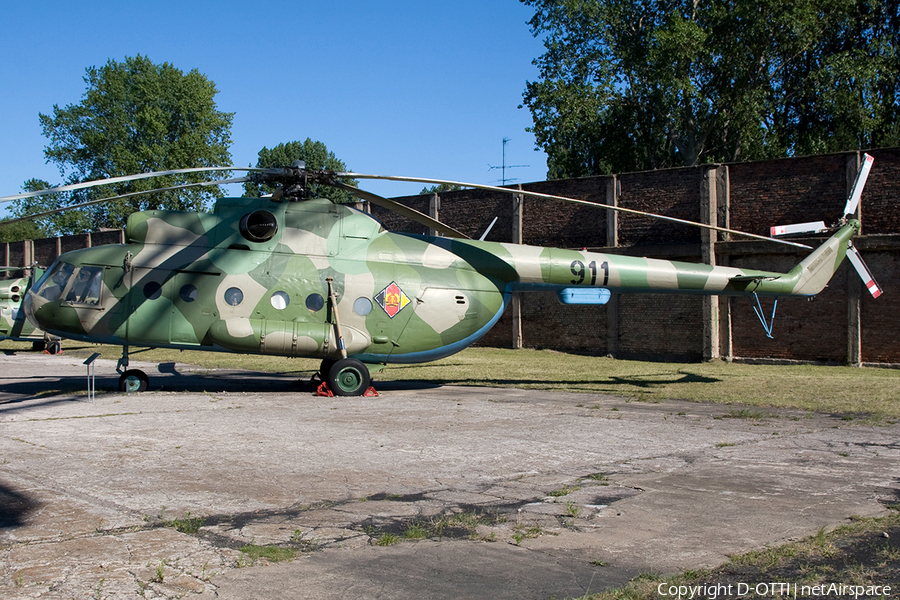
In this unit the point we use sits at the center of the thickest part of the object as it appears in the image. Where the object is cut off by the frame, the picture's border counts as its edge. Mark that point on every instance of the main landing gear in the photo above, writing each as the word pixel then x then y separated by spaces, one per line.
pixel 345 377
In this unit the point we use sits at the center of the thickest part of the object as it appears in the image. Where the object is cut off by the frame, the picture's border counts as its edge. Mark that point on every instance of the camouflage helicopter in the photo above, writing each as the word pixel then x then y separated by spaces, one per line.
pixel 13 324
pixel 298 276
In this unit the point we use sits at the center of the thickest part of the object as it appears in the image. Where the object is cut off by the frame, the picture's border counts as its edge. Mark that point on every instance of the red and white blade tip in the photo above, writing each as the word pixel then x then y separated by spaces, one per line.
pixel 813 227
pixel 873 288
pixel 863 270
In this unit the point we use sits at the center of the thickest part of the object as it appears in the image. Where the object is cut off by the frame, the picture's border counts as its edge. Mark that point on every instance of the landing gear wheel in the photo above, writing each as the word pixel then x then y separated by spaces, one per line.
pixel 133 380
pixel 348 377
pixel 53 347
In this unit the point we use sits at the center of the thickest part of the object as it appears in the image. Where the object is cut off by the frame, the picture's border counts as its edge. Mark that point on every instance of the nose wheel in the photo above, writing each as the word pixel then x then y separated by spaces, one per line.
pixel 133 380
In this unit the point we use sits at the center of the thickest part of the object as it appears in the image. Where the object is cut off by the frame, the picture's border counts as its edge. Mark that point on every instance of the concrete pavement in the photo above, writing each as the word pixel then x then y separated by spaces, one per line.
pixel 534 494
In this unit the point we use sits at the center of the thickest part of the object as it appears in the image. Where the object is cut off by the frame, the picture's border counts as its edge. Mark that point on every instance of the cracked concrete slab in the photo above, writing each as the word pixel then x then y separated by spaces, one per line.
pixel 428 492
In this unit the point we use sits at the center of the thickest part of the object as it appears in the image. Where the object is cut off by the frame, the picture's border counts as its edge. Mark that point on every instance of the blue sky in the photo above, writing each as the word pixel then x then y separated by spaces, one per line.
pixel 395 87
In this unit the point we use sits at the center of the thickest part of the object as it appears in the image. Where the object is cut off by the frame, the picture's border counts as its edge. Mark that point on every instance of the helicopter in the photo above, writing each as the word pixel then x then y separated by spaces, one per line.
pixel 298 276
pixel 13 324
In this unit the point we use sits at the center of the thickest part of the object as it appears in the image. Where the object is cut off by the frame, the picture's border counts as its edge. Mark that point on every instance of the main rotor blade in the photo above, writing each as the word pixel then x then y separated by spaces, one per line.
pixel 98 182
pixel 410 213
pixel 570 200
pixel 102 200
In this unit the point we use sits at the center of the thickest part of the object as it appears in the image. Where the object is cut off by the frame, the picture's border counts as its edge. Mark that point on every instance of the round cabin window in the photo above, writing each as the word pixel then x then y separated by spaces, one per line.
pixel 233 296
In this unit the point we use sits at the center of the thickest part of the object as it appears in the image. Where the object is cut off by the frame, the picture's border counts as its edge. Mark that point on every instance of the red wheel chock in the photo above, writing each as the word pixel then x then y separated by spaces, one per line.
pixel 325 390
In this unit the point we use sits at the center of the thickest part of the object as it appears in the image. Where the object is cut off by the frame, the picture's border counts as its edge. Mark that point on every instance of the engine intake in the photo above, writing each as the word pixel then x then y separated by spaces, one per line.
pixel 259 226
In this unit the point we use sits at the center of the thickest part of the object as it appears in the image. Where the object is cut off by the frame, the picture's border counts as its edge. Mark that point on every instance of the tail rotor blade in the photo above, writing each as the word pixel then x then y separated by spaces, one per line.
pixel 864 273
pixel 812 227
pixel 853 200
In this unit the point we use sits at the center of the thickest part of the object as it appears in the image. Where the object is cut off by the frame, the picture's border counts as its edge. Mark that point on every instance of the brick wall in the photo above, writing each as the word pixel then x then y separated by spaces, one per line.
pixel 670 327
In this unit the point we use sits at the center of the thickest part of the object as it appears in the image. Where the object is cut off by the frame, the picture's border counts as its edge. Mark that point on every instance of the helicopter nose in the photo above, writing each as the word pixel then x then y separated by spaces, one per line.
pixel 28 307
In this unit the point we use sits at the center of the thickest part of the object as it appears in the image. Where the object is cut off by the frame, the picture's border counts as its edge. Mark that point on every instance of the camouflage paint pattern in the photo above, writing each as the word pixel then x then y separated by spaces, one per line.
pixel 251 277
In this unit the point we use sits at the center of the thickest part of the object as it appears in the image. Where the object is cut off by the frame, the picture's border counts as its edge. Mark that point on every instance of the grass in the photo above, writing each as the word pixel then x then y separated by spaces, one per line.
pixel 864 553
pixel 186 524
pixel 865 393
pixel 269 553
pixel 455 525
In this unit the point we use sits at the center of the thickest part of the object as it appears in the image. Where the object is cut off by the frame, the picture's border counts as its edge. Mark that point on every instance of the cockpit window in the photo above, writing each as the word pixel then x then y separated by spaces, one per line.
pixel 81 285
pixel 52 284
pixel 85 288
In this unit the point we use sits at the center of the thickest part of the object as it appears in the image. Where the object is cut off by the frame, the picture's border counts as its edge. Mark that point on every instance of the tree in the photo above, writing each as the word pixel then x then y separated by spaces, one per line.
pixel 16 232
pixel 41 227
pixel 441 188
pixel 631 85
pixel 136 116
pixel 316 156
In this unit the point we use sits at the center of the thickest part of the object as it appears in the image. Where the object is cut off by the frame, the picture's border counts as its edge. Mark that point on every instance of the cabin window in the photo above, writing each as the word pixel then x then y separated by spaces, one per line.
pixel 315 302
pixel 362 306
pixel 233 296
pixel 85 288
pixel 188 293
pixel 280 300
pixel 152 290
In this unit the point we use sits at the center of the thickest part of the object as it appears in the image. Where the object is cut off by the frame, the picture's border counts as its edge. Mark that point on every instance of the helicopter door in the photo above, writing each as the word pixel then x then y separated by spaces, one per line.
pixel 150 310
pixel 193 306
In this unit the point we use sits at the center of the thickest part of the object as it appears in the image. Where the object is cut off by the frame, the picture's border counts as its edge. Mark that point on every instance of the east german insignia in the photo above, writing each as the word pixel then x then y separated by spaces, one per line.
pixel 392 299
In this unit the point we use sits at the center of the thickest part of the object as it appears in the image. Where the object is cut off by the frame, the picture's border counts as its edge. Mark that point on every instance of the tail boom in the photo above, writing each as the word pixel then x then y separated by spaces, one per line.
pixel 553 268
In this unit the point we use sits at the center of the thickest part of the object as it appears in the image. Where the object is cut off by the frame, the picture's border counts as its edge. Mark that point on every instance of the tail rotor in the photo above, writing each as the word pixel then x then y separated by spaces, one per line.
pixel 849 212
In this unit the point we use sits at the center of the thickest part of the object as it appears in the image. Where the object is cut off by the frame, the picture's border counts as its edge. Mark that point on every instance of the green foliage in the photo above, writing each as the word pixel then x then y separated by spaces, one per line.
pixel 23 230
pixel 564 491
pixel 40 227
pixel 135 116
pixel 862 553
pixel 316 156
pixel 270 553
pixel 628 86
pixel 187 524
pixel 440 188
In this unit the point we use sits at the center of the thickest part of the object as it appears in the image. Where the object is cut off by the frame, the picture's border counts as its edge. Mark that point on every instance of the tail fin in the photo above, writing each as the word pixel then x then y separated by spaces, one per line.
pixel 815 271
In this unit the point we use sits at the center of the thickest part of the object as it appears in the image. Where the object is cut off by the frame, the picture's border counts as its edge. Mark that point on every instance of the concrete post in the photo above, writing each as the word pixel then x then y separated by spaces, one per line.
pixel 612 240
pixel 854 285
pixel 518 209
pixel 723 202
pixel 709 215
pixel 434 210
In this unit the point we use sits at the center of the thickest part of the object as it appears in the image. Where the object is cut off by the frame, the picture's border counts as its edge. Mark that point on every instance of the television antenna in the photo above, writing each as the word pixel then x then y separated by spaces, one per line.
pixel 504 167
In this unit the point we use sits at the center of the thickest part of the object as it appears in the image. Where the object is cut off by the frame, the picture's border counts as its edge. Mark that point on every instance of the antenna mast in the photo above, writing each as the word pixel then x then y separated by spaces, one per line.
pixel 504 167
